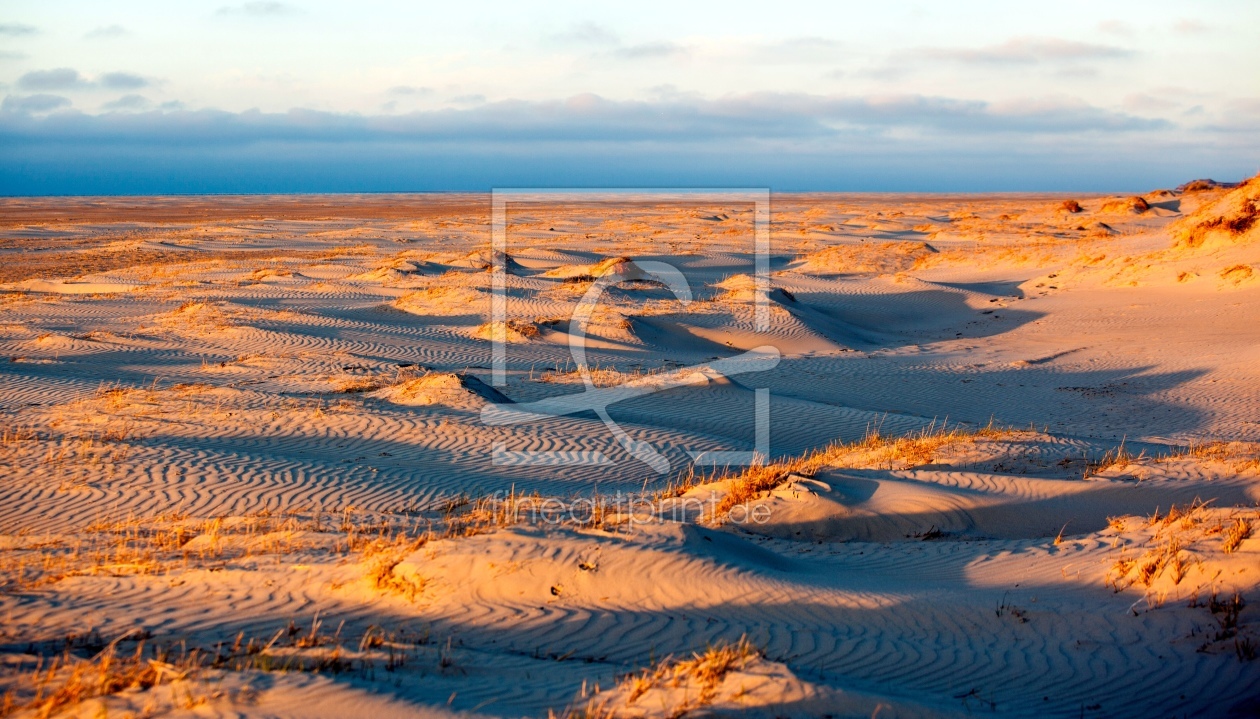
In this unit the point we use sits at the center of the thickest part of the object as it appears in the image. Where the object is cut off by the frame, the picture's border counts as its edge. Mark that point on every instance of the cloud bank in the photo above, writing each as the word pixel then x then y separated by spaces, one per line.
pixel 790 141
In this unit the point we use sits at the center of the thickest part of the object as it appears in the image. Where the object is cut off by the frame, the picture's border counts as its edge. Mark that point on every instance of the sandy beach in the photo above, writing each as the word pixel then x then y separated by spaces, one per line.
pixel 256 462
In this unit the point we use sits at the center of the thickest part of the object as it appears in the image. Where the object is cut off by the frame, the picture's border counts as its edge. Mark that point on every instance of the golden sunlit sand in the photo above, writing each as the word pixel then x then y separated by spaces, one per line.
pixel 246 466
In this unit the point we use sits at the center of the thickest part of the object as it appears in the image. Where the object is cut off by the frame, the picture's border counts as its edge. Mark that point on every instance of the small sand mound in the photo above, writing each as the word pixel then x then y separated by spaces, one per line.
pixel 198 316
pixel 1234 218
pixel 1202 185
pixel 514 331
pixel 485 259
pixel 389 271
pixel 1126 205
pixel 878 257
pixel 1098 229
pixel 609 324
pixel 444 388
pixel 622 268
pixel 52 340
pixel 444 301
pixel 268 273
pixel 743 288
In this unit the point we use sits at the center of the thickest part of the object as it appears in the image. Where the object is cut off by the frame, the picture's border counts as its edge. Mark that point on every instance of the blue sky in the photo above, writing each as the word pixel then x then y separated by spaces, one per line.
pixel 284 96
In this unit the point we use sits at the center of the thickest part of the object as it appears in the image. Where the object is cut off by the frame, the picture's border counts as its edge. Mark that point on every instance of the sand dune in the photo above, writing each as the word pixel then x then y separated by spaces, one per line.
pixel 255 463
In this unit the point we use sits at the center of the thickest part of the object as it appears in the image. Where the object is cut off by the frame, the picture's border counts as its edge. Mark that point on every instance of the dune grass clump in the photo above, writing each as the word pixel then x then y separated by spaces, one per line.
pixel 870 257
pixel 265 273
pixel 697 677
pixel 67 680
pixel 199 316
pixel 1237 274
pixel 444 300
pixel 1233 216
pixel 601 376
pixel 1177 544
pixel 1145 569
pixel 1134 205
pixel 1240 456
pixel 514 331
pixel 357 385
pixel 194 676
pixel 1117 458
pixel 874 451
pixel 1234 535
pixel 173 542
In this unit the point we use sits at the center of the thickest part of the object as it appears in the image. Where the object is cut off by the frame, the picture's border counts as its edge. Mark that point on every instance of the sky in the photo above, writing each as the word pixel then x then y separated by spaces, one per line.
pixel 309 96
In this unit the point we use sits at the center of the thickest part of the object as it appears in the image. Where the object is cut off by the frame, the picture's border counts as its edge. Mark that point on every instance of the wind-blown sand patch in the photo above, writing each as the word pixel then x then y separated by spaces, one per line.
pixel 480 259
pixel 866 257
pixel 621 268
pixel 514 331
pixel 393 270
pixel 1125 205
pixel 71 287
pixel 1232 219
pixel 443 388
pixel 443 301
pixel 202 317
pixel 269 274
pixel 743 288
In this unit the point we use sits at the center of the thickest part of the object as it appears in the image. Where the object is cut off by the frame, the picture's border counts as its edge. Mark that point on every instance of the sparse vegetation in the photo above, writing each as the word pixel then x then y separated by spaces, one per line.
pixel 512 330
pixel 1233 216
pixel 1237 274
pixel 1135 205
pixel 1234 535
pixel 678 686
pixel 1239 456
pixel 875 450
pixel 1177 542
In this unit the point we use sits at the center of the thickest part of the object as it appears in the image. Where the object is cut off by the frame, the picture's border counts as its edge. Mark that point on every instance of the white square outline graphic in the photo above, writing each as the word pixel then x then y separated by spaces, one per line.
pixel 759 198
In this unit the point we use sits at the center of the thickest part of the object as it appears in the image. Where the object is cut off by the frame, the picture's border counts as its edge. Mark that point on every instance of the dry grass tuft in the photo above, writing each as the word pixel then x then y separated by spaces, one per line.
pixel 267 272
pixel 194 676
pixel 514 331
pixel 174 542
pixel 1231 217
pixel 1176 544
pixel 444 301
pixel 69 680
pixel 874 451
pixel 1134 205
pixel 355 385
pixel 1117 458
pixel 868 257
pixel 602 376
pixel 199 317
pixel 1237 274
pixel 1240 456
pixel 697 677
pixel 1234 535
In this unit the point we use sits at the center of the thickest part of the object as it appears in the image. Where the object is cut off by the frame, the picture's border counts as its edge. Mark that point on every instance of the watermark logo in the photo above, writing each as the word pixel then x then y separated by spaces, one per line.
pixel 599 399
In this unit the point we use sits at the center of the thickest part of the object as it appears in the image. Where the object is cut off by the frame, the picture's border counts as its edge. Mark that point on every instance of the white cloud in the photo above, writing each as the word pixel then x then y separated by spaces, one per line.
pixel 33 104
pixel 1028 50
pixel 15 29
pixel 126 102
